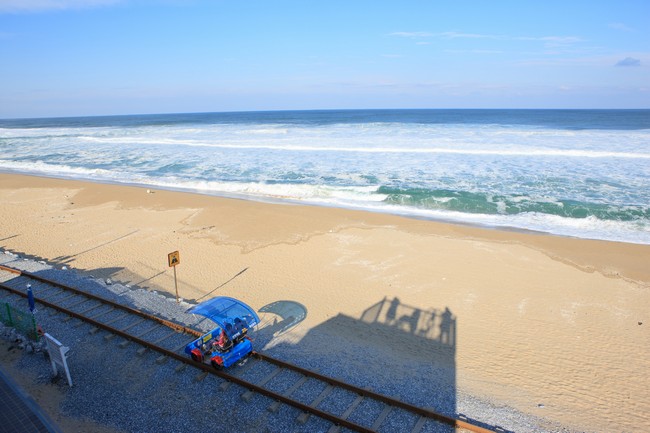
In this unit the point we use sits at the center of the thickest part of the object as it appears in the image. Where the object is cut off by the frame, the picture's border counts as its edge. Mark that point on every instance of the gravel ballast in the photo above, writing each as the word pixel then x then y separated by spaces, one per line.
pixel 117 387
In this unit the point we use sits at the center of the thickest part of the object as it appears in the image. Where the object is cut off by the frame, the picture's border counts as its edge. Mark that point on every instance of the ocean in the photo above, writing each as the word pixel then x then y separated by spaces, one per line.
pixel 578 173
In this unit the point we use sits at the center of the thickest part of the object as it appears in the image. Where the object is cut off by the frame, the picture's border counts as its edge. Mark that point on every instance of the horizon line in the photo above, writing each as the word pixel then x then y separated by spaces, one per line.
pixel 171 113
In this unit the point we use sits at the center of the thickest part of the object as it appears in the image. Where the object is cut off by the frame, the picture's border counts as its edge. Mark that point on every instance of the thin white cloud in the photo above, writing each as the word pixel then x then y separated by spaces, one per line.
pixel 412 34
pixel 549 40
pixel 620 26
pixel 628 61
pixel 474 51
pixel 605 61
pixel 461 35
pixel 553 39
pixel 27 6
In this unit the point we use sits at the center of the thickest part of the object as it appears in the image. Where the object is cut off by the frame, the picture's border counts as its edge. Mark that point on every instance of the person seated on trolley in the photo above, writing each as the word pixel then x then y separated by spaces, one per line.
pixel 222 342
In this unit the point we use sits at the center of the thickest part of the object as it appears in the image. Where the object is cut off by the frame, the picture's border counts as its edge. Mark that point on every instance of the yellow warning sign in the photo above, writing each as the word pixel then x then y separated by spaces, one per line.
pixel 173 258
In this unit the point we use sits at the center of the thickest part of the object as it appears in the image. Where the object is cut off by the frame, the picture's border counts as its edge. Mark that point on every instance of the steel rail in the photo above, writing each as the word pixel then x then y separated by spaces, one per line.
pixel 251 386
pixel 167 323
pixel 453 422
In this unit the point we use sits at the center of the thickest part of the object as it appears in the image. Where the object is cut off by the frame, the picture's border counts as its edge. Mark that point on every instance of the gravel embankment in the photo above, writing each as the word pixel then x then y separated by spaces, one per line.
pixel 119 388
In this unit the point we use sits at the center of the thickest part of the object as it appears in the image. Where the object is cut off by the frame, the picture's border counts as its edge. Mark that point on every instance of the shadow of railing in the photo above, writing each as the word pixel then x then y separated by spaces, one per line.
pixel 389 342
pixel 278 318
pixel 436 327
pixel 221 285
pixel 70 258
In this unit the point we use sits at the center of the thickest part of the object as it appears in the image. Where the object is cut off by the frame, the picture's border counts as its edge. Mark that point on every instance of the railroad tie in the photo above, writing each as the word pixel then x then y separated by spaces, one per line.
pixel 71 295
pixel 285 398
pixel 156 326
pixel 69 307
pixel 86 311
pixel 269 377
pixel 137 322
pixel 249 363
pixel 48 296
pixel 418 426
pixel 382 416
pixel 101 313
pixel 164 338
pixel 303 417
pixel 249 394
pixel 182 347
pixel 347 413
pixel 40 287
pixel 115 319
pixel 199 377
pixel 276 404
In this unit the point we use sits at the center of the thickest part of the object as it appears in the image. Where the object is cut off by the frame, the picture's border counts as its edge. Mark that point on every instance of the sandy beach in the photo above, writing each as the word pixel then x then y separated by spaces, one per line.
pixel 555 327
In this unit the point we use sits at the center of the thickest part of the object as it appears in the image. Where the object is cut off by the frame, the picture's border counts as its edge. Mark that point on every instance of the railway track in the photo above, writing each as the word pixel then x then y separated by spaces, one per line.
pixel 169 339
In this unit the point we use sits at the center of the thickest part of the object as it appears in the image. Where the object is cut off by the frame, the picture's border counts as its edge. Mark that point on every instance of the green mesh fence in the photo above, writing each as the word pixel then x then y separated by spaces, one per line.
pixel 22 321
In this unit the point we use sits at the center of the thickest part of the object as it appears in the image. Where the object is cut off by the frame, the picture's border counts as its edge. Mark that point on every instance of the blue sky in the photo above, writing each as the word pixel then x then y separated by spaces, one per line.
pixel 96 57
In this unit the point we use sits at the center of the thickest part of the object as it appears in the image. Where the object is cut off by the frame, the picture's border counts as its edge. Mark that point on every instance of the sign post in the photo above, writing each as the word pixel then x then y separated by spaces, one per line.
pixel 30 299
pixel 174 259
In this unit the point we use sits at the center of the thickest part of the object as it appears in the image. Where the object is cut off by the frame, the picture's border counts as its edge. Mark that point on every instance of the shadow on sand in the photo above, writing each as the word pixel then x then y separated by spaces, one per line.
pixel 279 317
pixel 389 343
pixel 403 343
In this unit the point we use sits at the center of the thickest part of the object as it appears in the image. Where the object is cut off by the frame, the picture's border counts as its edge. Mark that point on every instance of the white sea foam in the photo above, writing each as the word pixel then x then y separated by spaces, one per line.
pixel 402 150
pixel 361 198
pixel 344 164
pixel 56 170
pixel 586 228
pixel 299 192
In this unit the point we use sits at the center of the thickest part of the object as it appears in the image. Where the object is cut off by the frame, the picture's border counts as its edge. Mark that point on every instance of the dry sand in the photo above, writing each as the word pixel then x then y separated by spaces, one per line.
pixel 555 327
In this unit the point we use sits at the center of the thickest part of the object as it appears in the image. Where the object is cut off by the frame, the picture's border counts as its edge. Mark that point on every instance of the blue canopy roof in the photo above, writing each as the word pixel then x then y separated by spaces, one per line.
pixel 229 313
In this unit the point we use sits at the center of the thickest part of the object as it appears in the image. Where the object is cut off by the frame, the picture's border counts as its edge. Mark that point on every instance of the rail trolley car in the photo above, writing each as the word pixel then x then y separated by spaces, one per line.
pixel 228 343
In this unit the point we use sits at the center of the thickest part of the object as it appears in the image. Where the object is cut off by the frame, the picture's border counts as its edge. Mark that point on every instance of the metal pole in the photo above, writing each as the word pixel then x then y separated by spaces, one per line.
pixel 11 321
pixel 176 285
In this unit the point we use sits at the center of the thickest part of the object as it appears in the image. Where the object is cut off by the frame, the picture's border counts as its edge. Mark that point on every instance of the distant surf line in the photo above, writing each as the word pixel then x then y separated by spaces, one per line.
pixel 412 150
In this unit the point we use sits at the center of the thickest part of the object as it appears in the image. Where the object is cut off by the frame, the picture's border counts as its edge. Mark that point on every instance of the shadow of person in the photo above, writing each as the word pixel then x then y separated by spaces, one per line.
pixel 391 314
pixel 411 322
pixel 447 335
